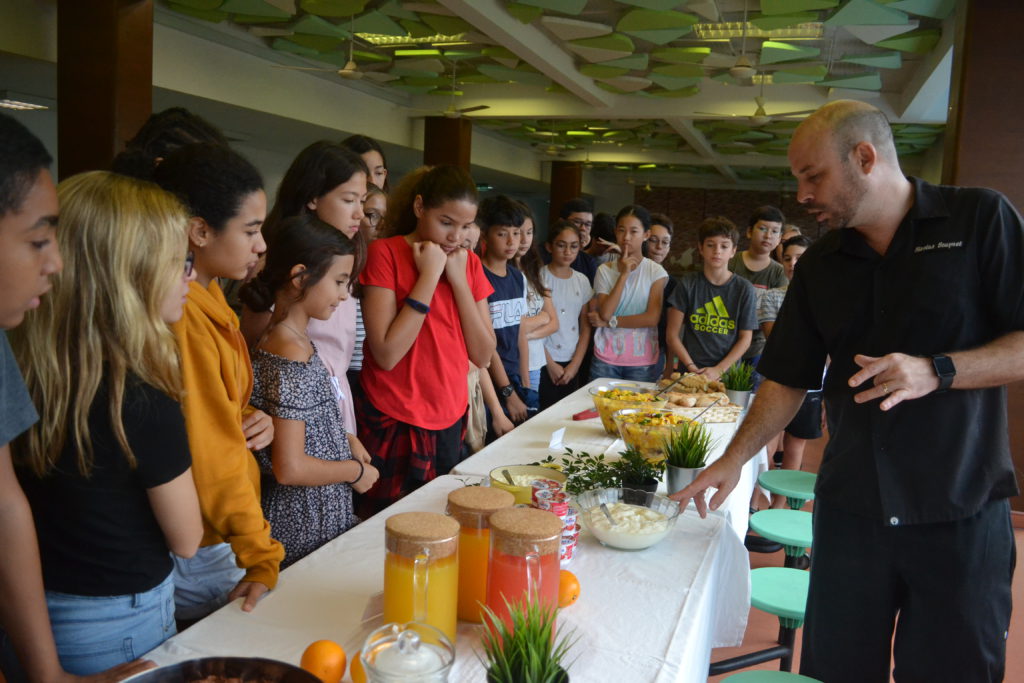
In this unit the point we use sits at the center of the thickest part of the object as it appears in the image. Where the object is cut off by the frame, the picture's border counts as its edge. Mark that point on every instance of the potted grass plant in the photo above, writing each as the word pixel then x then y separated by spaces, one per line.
pixel 527 647
pixel 739 382
pixel 686 454
pixel 635 471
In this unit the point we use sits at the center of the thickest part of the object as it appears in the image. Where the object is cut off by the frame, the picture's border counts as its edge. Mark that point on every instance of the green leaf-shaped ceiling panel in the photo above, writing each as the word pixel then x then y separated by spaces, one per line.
pixel 866 81
pixel 562 6
pixel 602 48
pixel 602 71
pixel 632 63
pixel 363 56
pixel 502 73
pixel 774 52
pixel 256 8
pixel 333 8
pixel 674 82
pixel 866 12
pixel 770 22
pixel 679 70
pixel 445 25
pixel 211 15
pixel 416 29
pixel 680 55
pixel 288 46
pixel 253 19
pixel 526 14
pixel 566 28
pixel 803 74
pixel 660 5
pixel 880 60
pixel 627 83
pixel 394 9
pixel 937 9
pixel 794 6
pixel 375 22
pixel 918 42
pixel 656 27
pixel 315 26
pixel 680 92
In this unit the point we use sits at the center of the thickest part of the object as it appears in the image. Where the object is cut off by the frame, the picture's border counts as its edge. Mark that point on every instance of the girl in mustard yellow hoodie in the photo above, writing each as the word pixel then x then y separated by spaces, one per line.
pixel 238 557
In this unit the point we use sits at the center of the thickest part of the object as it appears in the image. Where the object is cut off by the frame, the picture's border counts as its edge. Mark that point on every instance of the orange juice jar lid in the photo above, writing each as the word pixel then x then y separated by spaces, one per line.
pixel 413 533
pixel 519 531
pixel 472 506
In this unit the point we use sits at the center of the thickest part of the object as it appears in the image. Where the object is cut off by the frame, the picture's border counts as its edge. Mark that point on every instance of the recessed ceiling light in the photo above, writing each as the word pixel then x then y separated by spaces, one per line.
pixel 727 30
pixel 22 102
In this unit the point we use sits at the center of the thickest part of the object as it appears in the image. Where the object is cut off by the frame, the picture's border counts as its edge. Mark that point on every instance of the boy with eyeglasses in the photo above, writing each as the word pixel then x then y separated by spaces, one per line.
pixel 755 264
pixel 580 213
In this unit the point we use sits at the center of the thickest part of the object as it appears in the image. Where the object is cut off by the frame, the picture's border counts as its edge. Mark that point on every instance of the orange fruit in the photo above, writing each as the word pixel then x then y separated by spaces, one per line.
pixel 568 588
pixel 325 659
pixel 356 670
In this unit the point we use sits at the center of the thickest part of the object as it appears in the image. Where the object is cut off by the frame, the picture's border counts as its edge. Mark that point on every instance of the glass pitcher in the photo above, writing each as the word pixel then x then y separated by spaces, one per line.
pixel 407 653
pixel 523 559
pixel 472 507
pixel 421 570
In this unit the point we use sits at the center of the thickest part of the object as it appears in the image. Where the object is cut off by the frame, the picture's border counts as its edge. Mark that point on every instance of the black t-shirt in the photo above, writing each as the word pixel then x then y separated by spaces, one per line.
pixel 951 280
pixel 99 536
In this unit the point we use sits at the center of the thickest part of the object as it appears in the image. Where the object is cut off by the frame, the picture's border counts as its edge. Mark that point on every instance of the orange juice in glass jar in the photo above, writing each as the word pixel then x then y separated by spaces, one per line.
pixel 472 507
pixel 523 559
pixel 421 570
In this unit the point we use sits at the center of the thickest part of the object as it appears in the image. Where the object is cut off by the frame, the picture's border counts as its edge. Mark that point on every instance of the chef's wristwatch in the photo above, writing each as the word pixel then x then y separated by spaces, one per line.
pixel 506 391
pixel 945 370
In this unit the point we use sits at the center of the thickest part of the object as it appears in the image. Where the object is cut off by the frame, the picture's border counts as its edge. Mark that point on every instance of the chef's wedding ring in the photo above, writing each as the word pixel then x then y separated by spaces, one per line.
pixel 885 388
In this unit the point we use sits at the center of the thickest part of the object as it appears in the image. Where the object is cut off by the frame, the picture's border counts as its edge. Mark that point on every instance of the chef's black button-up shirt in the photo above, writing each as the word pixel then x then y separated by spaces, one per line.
pixel 951 280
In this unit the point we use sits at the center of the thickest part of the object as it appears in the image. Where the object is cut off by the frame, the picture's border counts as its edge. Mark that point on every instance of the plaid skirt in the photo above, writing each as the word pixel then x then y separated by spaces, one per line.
pixel 406 456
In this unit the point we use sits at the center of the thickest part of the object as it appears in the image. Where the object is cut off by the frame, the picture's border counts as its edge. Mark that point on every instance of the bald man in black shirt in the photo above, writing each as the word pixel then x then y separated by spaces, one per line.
pixel 917 297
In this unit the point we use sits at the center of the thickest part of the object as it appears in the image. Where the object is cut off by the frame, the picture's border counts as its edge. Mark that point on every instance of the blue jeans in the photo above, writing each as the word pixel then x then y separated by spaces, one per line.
pixel 531 396
pixel 202 582
pixel 94 633
pixel 638 373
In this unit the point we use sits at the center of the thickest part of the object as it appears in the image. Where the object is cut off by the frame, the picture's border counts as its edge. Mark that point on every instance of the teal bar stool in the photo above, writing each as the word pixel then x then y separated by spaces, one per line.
pixel 769 677
pixel 791 528
pixel 781 591
pixel 795 485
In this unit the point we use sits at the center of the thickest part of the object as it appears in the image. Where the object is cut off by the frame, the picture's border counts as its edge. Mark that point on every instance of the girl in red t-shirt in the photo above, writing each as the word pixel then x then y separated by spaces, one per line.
pixel 426 316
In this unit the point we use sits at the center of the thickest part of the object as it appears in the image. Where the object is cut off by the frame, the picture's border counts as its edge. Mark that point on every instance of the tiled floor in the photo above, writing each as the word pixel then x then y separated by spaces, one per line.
pixel 762 628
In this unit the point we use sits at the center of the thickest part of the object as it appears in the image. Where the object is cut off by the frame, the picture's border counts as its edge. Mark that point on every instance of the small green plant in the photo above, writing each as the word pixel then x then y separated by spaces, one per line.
pixel 739 377
pixel 633 467
pixel 531 650
pixel 583 471
pixel 689 447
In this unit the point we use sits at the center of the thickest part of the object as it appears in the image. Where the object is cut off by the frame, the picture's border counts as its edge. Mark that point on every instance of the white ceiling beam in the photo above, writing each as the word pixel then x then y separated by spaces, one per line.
pixel 695 139
pixel 531 45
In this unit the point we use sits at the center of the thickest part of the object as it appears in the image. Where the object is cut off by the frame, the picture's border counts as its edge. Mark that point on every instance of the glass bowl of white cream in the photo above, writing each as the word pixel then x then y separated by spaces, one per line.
pixel 639 519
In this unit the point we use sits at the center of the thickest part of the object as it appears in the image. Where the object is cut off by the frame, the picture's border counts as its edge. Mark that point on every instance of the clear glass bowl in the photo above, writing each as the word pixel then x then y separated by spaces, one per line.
pixel 643 519
pixel 607 406
pixel 652 431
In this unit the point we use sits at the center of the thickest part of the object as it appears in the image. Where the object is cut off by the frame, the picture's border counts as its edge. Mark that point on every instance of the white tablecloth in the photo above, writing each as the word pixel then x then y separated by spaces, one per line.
pixel 652 615
pixel 530 441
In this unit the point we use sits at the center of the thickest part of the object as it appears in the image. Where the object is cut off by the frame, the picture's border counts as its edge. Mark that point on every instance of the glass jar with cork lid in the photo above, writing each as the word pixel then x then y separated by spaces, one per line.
pixel 421 570
pixel 523 559
pixel 472 507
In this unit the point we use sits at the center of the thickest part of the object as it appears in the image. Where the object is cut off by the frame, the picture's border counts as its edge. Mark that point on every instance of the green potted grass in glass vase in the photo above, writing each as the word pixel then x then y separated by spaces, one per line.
pixel 528 647
pixel 686 454
pixel 739 382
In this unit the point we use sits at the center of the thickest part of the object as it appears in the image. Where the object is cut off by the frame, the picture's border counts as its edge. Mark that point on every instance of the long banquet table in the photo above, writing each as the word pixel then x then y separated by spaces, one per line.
pixel 652 615
pixel 531 441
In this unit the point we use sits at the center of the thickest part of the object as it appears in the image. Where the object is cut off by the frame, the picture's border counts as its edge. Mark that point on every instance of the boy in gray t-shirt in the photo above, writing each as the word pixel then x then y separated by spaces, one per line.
pixel 712 313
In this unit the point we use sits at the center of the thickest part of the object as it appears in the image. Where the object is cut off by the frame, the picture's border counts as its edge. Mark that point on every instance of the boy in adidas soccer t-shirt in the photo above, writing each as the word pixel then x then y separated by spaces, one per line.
pixel 712 313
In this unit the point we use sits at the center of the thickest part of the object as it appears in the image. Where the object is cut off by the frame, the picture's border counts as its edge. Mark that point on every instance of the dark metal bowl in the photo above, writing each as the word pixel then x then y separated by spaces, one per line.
pixel 244 668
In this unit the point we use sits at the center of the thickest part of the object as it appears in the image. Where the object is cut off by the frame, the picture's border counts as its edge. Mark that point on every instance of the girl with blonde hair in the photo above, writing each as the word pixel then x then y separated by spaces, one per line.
pixel 107 469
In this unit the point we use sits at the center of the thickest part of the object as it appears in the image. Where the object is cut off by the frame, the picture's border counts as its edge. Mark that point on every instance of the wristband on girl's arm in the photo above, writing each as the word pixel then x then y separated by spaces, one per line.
pixel 362 469
pixel 417 306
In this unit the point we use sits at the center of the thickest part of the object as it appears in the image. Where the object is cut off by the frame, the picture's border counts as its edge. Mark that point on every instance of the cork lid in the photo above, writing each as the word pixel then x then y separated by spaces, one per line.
pixel 517 531
pixel 471 506
pixel 410 533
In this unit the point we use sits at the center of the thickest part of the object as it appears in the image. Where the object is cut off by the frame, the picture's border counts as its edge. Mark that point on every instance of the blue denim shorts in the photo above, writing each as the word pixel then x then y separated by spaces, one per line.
pixel 639 373
pixel 94 633
pixel 203 581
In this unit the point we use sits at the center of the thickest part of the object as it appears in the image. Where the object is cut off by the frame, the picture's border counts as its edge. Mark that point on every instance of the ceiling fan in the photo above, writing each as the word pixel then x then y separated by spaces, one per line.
pixel 453 112
pixel 351 70
pixel 760 117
